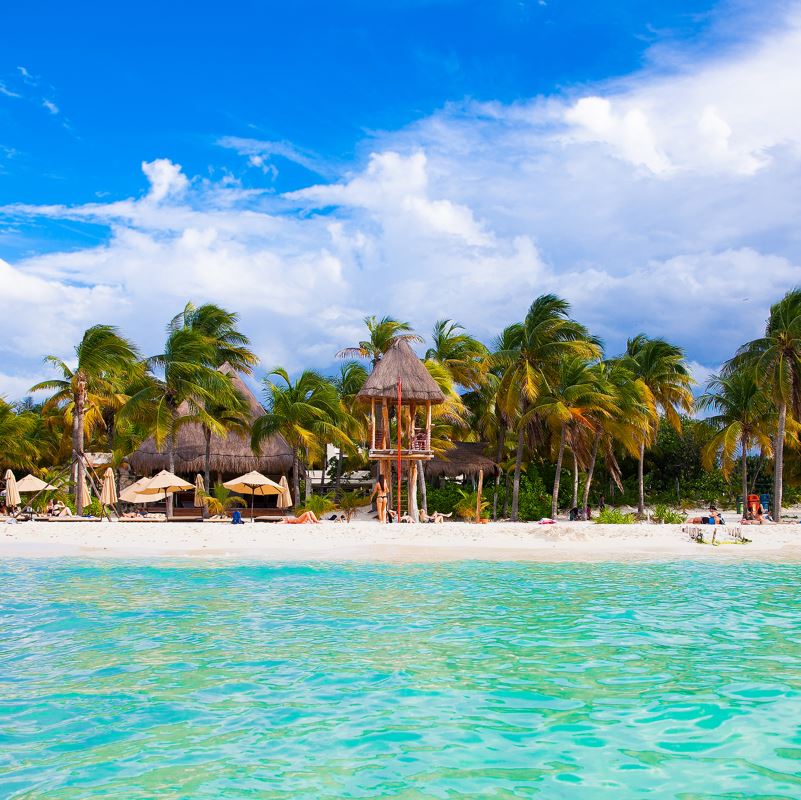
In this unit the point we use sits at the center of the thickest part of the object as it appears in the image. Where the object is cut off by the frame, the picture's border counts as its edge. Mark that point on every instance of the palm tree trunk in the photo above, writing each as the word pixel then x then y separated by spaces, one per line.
pixel 338 479
pixel 171 450
pixel 516 484
pixel 744 476
pixel 207 459
pixel 501 441
pixel 307 480
pixel 421 486
pixel 574 498
pixel 411 487
pixel 505 511
pixel 778 470
pixel 295 478
pixel 641 480
pixel 591 470
pixel 78 415
pixel 558 476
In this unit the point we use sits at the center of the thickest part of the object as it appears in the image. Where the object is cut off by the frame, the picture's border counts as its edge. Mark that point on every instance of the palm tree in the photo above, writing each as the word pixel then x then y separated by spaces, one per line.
pixel 185 384
pixel 221 500
pixel 625 425
pixel 350 380
pixel 105 361
pixel 661 372
pixel 17 445
pixel 383 333
pixel 462 355
pixel 305 413
pixel 744 414
pixel 231 347
pixel 776 360
pixel 534 350
pixel 570 403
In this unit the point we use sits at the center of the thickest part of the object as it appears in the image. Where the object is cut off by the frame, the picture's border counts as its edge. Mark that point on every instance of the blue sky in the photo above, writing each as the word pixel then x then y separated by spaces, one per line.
pixel 309 163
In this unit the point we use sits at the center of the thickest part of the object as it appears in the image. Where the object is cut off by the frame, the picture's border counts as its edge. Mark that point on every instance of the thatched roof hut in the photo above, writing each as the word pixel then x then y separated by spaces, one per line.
pixel 230 454
pixel 465 458
pixel 400 361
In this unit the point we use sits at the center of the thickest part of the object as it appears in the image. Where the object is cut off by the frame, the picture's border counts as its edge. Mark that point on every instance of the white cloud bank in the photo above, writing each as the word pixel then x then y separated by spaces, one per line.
pixel 662 203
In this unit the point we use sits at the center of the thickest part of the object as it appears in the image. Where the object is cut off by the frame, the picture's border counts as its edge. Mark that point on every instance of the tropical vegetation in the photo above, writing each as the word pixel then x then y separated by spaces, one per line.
pixel 569 425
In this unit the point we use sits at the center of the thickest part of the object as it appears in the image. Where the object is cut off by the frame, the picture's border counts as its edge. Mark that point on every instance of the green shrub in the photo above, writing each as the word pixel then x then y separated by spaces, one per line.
pixel 466 507
pixel 665 515
pixel 318 504
pixel 443 498
pixel 350 501
pixel 613 516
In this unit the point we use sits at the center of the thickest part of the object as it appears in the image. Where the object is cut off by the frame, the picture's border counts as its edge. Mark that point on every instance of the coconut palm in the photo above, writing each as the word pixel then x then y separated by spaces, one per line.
pixel 17 444
pixel 743 419
pixel 660 369
pixel 105 362
pixel 462 355
pixel 383 333
pixel 221 500
pixel 305 412
pixel 534 350
pixel 232 348
pixel 624 426
pixel 776 361
pixel 185 382
pixel 570 404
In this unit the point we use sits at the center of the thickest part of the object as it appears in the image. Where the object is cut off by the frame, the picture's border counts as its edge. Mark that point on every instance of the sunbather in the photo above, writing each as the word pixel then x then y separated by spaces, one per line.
pixel 436 517
pixel 306 518
pixel 714 515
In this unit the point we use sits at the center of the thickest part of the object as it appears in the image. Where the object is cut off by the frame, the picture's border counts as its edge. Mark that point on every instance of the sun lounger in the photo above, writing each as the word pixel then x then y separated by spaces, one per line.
pixel 715 534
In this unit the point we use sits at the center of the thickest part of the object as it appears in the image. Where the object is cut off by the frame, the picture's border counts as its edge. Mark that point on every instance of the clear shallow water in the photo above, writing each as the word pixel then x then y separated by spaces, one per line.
pixel 471 680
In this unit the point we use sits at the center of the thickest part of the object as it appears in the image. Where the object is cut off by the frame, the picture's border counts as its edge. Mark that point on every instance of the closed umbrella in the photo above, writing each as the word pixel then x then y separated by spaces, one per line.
pixel 108 492
pixel 200 491
pixel 30 483
pixel 12 494
pixel 254 483
pixel 132 493
pixel 285 498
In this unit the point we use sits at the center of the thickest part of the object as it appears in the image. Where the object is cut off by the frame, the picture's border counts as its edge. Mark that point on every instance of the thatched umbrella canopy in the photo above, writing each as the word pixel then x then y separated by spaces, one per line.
pixel 229 454
pixel 465 458
pixel 400 361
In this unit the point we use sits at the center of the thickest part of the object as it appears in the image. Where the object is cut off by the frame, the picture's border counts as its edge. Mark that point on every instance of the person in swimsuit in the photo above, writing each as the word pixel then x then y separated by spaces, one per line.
pixel 306 518
pixel 380 494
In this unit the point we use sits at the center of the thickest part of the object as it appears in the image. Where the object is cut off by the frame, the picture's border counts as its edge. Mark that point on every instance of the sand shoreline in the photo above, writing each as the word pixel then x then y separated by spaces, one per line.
pixel 368 541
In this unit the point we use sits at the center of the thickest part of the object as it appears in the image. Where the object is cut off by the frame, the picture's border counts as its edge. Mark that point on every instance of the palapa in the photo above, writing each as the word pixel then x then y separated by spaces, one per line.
pixel 228 454
pixel 464 458
pixel 131 494
pixel 254 483
pixel 165 482
pixel 30 483
pixel 400 362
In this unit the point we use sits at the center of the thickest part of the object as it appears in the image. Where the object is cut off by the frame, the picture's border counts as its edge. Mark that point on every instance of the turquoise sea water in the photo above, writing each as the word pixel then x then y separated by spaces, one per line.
pixel 468 680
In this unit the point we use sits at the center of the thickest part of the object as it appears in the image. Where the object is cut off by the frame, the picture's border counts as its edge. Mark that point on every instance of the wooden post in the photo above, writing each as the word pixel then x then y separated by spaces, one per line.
pixel 372 423
pixel 412 489
pixel 400 436
pixel 385 420
pixel 478 496
pixel 428 424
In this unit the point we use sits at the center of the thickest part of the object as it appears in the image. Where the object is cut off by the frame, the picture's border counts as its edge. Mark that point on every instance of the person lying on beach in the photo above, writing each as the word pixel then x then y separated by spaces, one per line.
pixel 436 517
pixel 393 515
pixel 306 518
pixel 714 514
pixel 61 510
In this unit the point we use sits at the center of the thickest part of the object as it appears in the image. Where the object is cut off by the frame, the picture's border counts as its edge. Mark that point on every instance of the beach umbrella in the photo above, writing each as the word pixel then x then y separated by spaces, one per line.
pixel 200 490
pixel 165 483
pixel 285 498
pixel 30 483
pixel 131 494
pixel 108 492
pixel 254 483
pixel 12 494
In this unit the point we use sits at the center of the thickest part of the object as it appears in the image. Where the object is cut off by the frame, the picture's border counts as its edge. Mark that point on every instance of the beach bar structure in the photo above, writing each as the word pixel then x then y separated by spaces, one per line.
pixel 229 455
pixel 400 384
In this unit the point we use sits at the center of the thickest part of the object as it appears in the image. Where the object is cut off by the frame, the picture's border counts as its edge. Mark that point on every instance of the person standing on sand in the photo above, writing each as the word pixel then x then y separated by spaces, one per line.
pixel 380 494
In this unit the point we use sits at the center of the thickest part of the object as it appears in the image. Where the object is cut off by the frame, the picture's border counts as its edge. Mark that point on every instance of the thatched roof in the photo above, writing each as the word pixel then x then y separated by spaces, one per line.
pixel 464 458
pixel 401 362
pixel 228 454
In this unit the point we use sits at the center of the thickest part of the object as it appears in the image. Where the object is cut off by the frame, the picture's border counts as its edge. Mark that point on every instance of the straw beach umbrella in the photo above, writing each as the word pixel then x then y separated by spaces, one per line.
pixel 254 483
pixel 108 492
pixel 132 493
pixel 12 494
pixel 165 482
pixel 30 483
pixel 285 498
pixel 200 490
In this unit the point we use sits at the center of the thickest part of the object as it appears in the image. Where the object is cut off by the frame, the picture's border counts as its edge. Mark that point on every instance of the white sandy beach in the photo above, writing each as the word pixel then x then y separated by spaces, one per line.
pixel 367 540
